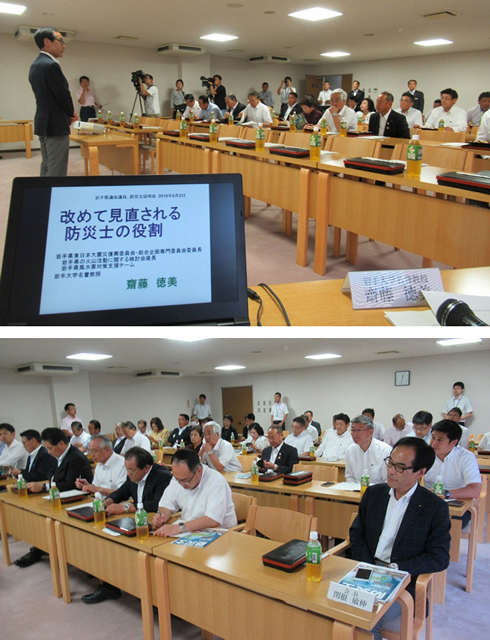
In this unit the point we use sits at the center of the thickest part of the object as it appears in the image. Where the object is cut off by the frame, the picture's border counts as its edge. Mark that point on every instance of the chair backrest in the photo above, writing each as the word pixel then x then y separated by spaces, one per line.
pixel 445 157
pixel 280 525
pixel 151 122
pixel 248 133
pixel 163 122
pixel 242 505
pixel 354 147
pixel 246 461
pixel 295 139
pixel 442 136
pixel 229 130
pixel 321 472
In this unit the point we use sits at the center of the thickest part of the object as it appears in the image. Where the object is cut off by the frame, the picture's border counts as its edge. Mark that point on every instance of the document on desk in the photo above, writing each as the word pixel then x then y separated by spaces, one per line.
pixel 347 486
pixel 199 539
pixel 480 305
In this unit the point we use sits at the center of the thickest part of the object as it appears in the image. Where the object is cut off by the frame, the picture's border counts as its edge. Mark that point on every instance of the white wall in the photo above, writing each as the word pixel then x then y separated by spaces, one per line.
pixel 26 401
pixel 460 71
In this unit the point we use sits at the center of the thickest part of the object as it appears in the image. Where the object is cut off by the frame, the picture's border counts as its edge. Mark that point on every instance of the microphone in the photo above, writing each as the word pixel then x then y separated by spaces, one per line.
pixel 455 313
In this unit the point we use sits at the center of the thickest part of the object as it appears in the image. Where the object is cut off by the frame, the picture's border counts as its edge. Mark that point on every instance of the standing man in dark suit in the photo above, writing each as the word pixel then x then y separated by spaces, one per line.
pixel 54 106
pixel 386 122
pixel 356 94
pixel 40 465
pixel 71 465
pixel 279 457
pixel 418 96
pixel 401 524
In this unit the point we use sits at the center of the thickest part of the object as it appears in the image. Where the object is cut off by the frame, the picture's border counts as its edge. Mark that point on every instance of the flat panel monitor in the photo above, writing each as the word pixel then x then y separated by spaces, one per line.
pixel 125 250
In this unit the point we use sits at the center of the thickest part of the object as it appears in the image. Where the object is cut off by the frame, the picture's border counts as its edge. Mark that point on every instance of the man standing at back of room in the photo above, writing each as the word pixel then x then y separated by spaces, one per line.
pixel 54 107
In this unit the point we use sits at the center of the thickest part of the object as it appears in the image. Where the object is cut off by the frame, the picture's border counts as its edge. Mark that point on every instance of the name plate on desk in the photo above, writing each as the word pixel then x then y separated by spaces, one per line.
pixel 389 289
pixel 351 596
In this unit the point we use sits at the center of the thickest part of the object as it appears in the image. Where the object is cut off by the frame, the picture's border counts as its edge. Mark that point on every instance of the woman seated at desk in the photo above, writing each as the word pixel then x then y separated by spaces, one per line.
pixel 256 439
pixel 336 441
pixel 311 113
pixel 196 438
pixel 158 432
pixel 367 108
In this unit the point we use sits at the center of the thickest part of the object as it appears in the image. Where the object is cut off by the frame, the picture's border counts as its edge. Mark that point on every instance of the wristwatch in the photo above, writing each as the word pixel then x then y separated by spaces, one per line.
pixel 275 467
pixel 182 527
pixel 127 507
pixel 447 494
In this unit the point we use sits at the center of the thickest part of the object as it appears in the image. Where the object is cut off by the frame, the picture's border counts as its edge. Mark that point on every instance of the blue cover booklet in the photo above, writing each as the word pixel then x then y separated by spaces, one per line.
pixel 383 582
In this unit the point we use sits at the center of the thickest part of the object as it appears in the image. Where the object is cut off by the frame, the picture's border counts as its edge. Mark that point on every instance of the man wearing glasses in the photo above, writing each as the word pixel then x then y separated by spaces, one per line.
pixel 401 524
pixel 54 107
pixel 422 424
pixel 110 472
pixel 202 494
pixel 366 454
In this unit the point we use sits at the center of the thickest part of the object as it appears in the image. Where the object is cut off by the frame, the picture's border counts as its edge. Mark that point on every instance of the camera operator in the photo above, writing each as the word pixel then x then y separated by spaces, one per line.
pixel 150 96
pixel 218 92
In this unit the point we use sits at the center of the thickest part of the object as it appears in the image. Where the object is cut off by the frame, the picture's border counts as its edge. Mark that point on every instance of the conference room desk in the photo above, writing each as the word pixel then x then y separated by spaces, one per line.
pixel 340 464
pixel 116 151
pixel 124 562
pixel 17 131
pixel 257 601
pixel 331 307
pixel 31 520
pixel 268 494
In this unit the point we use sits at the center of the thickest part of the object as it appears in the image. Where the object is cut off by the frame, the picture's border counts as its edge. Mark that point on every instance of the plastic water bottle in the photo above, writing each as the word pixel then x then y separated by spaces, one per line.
pixel 364 481
pixel 343 128
pixel 21 487
pixel 260 138
pixel 122 120
pixel 313 558
pixel 136 121
pixel 315 148
pixel 99 511
pixel 141 519
pixel 414 158
pixel 54 497
pixel 439 487
pixel 254 472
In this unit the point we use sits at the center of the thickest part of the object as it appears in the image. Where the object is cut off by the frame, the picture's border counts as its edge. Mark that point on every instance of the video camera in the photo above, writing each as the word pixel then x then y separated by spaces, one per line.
pixel 206 82
pixel 135 76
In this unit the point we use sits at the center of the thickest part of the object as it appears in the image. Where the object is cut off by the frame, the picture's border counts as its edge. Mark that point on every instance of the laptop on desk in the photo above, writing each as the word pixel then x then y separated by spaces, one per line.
pixel 125 250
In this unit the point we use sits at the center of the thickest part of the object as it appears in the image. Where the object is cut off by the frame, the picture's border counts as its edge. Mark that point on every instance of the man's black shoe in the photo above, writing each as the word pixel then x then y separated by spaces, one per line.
pixel 101 594
pixel 30 558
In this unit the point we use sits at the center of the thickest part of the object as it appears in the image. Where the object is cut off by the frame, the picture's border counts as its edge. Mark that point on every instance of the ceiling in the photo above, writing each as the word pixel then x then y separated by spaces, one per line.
pixel 263 26
pixel 200 358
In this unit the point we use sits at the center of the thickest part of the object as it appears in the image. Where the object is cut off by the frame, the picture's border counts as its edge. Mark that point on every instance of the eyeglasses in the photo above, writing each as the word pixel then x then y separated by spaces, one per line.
pixel 421 427
pixel 186 483
pixel 358 430
pixel 399 468
pixel 60 40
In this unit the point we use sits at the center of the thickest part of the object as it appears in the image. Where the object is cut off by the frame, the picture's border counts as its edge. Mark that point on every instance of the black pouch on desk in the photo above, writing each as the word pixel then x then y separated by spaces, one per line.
pixel 290 152
pixel 84 513
pixel 471 181
pixel 240 144
pixel 125 526
pixel 482 146
pixel 287 557
pixel 297 478
pixel 269 477
pixel 73 499
pixel 172 132
pixel 199 136
pixel 387 167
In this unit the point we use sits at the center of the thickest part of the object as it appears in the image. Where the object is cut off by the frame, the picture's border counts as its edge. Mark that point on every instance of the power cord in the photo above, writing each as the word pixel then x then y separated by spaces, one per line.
pixel 255 296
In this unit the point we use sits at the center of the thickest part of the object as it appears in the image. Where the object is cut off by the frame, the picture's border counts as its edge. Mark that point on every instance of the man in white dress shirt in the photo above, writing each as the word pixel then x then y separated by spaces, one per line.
pixel 110 472
pixel 216 452
pixel 14 454
pixel 324 96
pixel 201 493
pixel 400 429
pixel 474 115
pixel 279 410
pixel 421 426
pixel 366 454
pixel 453 117
pixel 338 112
pixel 80 438
pixel 455 416
pixel 202 409
pixel 255 111
pixel 413 116
pixel 379 430
pixel 71 416
pixel 300 439
pixel 192 107
pixel 484 128
pixel 134 438
pixel 336 441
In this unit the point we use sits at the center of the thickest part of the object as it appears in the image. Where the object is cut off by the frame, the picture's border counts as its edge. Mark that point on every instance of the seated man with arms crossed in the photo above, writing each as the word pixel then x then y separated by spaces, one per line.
pixel 202 494
pixel 402 525
pixel 300 439
pixel 71 465
pixel 39 465
pixel 366 453
pixel 279 457
pixel 216 452
pixel 336 441
pixel 110 472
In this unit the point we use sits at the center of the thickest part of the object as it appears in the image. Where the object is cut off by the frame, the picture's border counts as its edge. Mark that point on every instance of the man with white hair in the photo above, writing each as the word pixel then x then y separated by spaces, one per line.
pixel 338 112
pixel 366 454
pixel 110 472
pixel 216 452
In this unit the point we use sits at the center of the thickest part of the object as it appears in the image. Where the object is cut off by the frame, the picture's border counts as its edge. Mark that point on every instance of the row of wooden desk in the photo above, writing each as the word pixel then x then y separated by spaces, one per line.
pixel 229 572
pixel 17 131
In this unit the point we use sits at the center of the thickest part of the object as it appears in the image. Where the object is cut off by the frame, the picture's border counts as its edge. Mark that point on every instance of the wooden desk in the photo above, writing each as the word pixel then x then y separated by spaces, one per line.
pixel 331 307
pixel 30 519
pixel 117 151
pixel 17 131
pixel 230 572
pixel 340 464
pixel 268 494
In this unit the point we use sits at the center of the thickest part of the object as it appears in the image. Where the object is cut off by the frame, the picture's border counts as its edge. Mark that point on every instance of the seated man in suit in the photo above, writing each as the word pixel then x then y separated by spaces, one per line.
pixel 110 471
pixel 202 494
pixel 234 108
pixel 145 483
pixel 293 106
pixel 402 525
pixel 71 465
pixel 356 94
pixel 39 465
pixel 386 122
pixel 279 457
pixel 182 432
pixel 366 454
pixel 216 452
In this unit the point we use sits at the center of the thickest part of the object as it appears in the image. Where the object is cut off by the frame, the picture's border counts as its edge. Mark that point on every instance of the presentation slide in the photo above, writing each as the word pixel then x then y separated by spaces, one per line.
pixel 114 247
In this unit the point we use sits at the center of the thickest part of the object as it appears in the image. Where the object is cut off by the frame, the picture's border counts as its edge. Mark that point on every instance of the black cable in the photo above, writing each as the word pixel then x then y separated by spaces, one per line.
pixel 267 288
pixel 255 296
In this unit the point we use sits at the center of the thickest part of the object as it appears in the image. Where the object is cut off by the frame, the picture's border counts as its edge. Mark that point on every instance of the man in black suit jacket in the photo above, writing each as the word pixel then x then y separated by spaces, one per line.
pixel 141 468
pixel 285 455
pixel 182 432
pixel 418 96
pixel 40 464
pixel 71 465
pixel 356 94
pixel 293 106
pixel 396 124
pixel 233 106
pixel 401 524
pixel 54 106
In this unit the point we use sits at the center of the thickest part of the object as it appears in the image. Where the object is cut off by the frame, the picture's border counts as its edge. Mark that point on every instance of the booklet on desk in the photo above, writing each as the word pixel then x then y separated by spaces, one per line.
pixel 199 539
pixel 383 582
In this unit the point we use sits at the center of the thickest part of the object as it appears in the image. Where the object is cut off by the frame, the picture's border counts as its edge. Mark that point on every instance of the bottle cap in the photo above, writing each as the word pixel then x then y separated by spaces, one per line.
pixel 315 128
pixel 98 496
pixel 140 505
pixel 416 136
pixel 313 535
pixel 20 476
